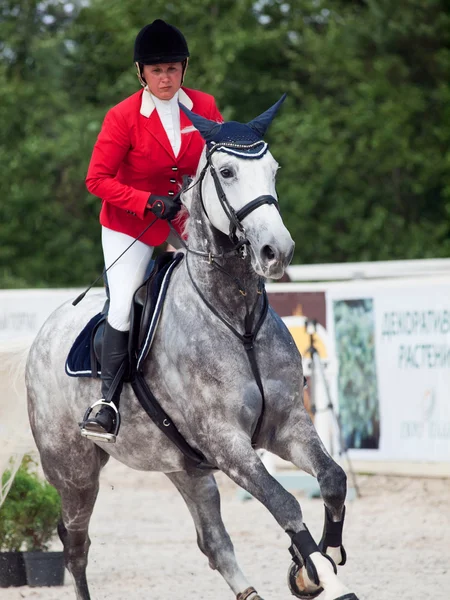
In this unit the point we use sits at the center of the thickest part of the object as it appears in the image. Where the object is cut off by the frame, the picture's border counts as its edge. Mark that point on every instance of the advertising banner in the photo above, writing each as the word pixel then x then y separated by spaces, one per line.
pixel 392 344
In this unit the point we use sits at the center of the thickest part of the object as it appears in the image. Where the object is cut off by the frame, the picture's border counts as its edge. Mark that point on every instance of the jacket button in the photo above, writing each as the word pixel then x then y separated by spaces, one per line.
pixel 173 181
pixel 171 193
pixel 174 168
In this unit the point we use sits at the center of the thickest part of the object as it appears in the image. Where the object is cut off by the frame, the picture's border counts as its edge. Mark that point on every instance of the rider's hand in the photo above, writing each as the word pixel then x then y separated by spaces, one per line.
pixel 164 207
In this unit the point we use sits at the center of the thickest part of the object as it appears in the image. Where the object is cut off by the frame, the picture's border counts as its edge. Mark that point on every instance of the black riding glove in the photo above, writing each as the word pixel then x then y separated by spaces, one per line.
pixel 164 207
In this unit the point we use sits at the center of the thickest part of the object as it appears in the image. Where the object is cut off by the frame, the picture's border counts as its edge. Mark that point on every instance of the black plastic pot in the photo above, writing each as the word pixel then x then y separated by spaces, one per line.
pixel 12 569
pixel 44 568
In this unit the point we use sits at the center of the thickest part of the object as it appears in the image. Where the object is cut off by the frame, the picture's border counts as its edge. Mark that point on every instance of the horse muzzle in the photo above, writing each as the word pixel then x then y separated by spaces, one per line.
pixel 274 258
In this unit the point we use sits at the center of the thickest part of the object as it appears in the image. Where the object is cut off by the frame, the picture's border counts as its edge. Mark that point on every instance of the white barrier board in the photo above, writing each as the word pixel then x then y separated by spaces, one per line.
pixel 23 312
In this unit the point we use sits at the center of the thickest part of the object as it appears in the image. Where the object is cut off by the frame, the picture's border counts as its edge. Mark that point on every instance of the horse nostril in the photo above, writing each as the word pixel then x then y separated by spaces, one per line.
pixel 267 253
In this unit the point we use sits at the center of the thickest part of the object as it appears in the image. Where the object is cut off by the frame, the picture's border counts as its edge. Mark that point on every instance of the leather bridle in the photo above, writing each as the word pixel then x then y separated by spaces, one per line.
pixel 235 217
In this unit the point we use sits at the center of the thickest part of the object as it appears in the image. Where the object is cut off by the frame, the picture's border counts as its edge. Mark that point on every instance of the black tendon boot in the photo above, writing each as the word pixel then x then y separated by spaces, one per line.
pixel 114 364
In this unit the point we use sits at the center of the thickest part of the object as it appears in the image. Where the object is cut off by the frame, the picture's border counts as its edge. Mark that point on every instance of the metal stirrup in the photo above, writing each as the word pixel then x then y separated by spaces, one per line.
pixel 101 437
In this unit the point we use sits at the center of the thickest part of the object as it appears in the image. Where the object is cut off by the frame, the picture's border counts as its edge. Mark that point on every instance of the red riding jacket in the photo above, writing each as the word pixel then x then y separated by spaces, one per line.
pixel 133 158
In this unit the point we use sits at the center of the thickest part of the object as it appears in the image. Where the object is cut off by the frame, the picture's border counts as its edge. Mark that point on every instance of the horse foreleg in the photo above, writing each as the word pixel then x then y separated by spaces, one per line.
pixel 236 458
pixel 203 501
pixel 298 442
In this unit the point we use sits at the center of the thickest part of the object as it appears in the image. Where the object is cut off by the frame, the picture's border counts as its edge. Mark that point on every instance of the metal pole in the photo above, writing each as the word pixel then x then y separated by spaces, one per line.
pixel 317 368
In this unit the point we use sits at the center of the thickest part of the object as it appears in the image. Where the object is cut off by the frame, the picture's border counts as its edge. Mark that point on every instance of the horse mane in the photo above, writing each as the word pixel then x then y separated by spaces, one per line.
pixel 183 216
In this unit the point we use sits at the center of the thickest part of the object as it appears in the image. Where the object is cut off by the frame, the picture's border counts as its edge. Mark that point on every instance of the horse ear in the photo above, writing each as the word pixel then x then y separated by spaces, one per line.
pixel 261 124
pixel 207 129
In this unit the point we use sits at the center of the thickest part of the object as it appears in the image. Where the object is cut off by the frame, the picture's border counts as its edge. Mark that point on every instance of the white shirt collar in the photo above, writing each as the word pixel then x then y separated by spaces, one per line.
pixel 148 105
pixel 165 106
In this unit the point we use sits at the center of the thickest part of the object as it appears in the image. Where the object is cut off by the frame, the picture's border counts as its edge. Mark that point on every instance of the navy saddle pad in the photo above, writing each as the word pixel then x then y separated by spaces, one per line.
pixel 148 301
pixel 79 360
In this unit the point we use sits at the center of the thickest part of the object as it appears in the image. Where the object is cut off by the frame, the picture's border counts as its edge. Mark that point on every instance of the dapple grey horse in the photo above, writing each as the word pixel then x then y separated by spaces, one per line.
pixel 199 371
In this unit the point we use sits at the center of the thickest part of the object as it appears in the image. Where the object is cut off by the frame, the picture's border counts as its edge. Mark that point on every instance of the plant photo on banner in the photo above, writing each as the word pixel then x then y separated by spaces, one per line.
pixel 357 377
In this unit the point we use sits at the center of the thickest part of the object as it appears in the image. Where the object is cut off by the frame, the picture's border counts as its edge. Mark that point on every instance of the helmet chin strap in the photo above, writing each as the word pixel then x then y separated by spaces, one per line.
pixel 185 64
pixel 139 74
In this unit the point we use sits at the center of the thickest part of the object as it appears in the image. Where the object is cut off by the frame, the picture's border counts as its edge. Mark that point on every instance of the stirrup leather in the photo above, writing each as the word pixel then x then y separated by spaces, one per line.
pixel 101 437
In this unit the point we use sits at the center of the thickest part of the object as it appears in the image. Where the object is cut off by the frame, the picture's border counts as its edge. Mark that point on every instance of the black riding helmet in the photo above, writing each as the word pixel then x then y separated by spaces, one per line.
pixel 160 42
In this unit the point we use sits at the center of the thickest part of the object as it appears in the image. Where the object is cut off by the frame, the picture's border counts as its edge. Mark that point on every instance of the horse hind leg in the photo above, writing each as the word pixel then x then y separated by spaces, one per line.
pixel 76 477
pixel 203 501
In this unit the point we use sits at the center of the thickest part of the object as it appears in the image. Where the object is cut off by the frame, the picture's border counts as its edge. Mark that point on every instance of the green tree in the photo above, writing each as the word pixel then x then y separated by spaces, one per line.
pixel 365 142
pixel 363 139
pixel 44 229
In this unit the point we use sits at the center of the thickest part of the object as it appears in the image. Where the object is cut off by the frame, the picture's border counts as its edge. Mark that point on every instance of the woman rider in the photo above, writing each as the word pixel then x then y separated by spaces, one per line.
pixel 144 148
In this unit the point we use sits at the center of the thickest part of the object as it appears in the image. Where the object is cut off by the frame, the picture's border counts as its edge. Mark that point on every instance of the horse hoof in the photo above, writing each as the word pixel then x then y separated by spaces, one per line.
pixel 295 580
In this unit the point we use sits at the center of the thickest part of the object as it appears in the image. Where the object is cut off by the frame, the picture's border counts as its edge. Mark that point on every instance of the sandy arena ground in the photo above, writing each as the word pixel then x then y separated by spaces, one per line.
pixel 143 542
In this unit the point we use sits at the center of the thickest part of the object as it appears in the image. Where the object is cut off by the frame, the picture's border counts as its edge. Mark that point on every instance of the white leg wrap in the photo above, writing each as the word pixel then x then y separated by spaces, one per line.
pixel 333 587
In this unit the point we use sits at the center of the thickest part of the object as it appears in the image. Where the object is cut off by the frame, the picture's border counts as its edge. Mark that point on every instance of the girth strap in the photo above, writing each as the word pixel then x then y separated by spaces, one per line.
pixel 162 420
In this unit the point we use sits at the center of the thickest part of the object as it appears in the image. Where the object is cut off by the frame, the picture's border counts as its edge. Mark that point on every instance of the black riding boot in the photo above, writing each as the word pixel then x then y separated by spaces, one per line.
pixel 114 364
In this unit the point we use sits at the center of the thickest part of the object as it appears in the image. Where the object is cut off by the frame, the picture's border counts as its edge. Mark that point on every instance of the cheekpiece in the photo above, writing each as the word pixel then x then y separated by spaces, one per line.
pixel 240 139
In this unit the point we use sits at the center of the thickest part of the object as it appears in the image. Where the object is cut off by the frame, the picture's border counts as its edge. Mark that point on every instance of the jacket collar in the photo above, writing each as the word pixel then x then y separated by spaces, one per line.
pixel 148 106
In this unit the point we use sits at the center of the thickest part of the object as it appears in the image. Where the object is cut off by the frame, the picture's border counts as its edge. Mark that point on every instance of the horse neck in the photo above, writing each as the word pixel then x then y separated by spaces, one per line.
pixel 219 289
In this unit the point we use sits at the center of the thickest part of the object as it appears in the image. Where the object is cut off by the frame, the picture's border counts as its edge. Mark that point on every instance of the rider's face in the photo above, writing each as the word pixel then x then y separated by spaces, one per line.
pixel 163 79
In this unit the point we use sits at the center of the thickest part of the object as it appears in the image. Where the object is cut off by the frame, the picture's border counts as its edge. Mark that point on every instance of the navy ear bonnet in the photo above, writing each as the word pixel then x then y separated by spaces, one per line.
pixel 234 134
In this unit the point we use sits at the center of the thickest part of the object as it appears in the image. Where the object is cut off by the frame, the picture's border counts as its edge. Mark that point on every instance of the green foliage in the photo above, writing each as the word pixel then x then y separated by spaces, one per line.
pixel 363 140
pixel 30 512
pixel 371 133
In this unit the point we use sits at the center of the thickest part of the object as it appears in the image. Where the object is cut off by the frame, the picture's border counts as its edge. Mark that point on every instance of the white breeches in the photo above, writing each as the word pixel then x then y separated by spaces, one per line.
pixel 125 276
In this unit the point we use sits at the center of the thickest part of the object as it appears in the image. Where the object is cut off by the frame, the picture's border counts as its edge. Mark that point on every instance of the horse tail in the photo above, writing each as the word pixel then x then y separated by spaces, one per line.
pixel 15 434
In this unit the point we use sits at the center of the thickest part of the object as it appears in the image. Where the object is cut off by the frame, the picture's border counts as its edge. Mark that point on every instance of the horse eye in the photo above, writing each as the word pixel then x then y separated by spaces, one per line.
pixel 226 173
